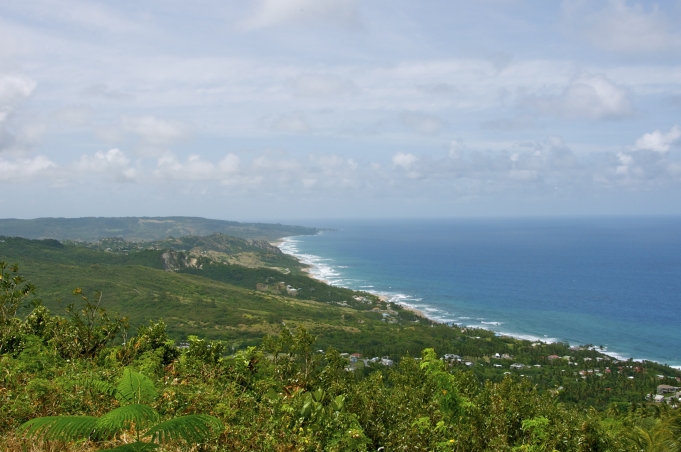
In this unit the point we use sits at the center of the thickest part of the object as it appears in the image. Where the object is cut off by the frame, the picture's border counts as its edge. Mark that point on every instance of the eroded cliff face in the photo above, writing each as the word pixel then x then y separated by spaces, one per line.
pixel 266 246
pixel 174 261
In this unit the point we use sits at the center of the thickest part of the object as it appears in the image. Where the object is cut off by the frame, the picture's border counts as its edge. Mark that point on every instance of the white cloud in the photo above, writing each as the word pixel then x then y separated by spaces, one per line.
pixel 22 170
pixel 113 164
pixel 586 97
pixel 456 149
pixel 292 122
pixel 195 168
pixel 229 164
pixel 322 85
pixel 13 90
pixel 422 123
pixel 343 13
pixel 154 131
pixel 657 141
pixel 154 134
pixel 404 161
pixel 619 27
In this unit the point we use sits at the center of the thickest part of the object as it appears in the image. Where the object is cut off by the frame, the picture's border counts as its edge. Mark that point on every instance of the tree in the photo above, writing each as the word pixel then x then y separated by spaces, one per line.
pixel 13 291
pixel 87 330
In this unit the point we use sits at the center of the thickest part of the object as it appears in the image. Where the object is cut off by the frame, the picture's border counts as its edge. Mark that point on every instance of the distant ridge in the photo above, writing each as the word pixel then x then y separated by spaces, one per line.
pixel 143 228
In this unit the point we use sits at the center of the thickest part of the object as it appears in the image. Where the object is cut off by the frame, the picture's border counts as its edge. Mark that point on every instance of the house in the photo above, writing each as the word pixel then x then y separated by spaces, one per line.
pixel 506 356
pixel 658 398
pixel 387 362
pixel 451 357
pixel 552 357
pixel 665 389
pixel 497 356
pixel 517 366
pixel 469 364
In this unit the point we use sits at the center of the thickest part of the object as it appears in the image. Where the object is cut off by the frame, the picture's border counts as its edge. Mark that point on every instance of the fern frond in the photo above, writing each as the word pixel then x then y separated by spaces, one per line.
pixel 123 417
pixel 133 447
pixel 135 388
pixel 63 428
pixel 100 386
pixel 195 428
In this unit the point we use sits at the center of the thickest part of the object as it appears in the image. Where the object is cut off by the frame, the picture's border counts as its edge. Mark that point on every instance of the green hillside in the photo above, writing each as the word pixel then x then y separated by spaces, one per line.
pixel 217 247
pixel 143 228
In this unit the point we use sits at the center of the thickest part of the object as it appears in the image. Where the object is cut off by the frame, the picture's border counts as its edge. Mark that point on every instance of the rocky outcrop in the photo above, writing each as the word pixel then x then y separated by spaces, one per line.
pixel 265 246
pixel 174 261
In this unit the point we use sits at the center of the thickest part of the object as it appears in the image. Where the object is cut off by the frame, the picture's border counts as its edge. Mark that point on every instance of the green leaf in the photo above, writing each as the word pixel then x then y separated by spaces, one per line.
pixel 338 403
pixel 62 428
pixel 123 417
pixel 135 388
pixel 195 428
pixel 100 386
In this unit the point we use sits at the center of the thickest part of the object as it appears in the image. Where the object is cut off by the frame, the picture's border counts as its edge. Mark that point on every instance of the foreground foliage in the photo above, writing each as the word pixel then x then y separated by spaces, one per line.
pixel 69 383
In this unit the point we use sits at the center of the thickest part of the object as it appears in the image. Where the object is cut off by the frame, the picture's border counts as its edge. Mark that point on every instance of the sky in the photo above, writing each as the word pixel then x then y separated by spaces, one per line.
pixel 271 110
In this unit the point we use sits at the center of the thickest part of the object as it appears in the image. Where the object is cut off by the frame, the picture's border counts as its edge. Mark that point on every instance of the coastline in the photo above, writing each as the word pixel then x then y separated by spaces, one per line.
pixel 311 273
pixel 315 271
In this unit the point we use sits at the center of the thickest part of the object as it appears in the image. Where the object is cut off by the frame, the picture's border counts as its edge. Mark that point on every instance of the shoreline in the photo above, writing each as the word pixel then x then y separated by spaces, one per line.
pixel 309 270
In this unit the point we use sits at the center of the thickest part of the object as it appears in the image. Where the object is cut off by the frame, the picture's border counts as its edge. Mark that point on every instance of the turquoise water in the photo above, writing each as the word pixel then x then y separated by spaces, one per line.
pixel 614 282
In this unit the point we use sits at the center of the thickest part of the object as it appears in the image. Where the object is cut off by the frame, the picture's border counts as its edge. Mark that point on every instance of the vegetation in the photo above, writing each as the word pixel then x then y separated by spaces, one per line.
pixel 259 359
pixel 143 228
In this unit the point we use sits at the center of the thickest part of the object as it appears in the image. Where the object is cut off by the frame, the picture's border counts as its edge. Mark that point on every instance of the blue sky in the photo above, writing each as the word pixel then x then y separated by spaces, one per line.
pixel 294 109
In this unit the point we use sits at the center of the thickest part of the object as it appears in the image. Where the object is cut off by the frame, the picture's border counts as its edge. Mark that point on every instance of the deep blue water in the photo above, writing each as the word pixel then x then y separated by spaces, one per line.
pixel 614 282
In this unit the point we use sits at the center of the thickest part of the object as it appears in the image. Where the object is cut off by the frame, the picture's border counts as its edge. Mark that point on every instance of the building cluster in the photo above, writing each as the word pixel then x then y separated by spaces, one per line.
pixel 356 358
pixel 666 394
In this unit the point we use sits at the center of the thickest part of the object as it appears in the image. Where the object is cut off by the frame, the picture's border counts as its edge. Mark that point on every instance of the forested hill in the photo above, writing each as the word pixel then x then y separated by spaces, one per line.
pixel 143 228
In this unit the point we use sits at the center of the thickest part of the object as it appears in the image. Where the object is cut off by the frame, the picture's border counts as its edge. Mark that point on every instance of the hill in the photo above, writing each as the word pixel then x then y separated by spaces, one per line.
pixel 217 247
pixel 142 228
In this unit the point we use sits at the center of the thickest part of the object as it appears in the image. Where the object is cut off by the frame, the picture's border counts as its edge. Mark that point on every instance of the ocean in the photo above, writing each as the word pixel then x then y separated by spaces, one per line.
pixel 610 282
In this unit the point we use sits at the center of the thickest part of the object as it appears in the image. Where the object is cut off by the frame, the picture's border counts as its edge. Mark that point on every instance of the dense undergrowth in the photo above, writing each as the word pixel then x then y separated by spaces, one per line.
pixel 281 395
